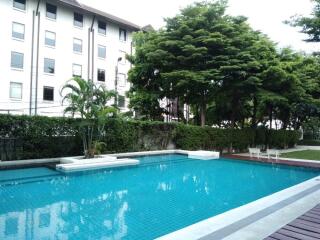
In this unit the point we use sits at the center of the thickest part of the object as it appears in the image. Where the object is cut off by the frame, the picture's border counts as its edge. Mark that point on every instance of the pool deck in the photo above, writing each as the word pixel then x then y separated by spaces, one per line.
pixel 306 226
pixel 283 161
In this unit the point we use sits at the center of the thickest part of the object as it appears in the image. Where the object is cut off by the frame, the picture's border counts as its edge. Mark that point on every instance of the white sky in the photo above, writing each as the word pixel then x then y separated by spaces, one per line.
pixel 264 15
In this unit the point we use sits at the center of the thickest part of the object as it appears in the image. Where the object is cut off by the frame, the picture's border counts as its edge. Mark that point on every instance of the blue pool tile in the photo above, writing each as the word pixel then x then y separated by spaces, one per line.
pixel 162 195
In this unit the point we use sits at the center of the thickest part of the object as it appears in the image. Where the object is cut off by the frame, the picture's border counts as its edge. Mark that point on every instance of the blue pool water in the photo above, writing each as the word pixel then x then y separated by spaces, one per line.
pixel 162 195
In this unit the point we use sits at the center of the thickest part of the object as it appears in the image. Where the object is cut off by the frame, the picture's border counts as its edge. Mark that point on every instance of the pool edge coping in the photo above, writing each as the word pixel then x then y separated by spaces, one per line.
pixel 287 161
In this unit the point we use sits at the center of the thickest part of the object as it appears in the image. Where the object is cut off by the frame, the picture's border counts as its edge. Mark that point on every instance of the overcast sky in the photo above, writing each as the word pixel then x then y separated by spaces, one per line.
pixel 264 15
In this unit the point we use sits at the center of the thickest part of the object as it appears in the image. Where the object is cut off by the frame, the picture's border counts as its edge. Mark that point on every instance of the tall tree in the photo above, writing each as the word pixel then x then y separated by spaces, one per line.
pixel 201 51
pixel 309 25
pixel 230 74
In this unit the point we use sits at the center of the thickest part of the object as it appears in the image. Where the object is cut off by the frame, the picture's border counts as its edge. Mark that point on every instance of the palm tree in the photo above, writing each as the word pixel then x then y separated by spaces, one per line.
pixel 89 102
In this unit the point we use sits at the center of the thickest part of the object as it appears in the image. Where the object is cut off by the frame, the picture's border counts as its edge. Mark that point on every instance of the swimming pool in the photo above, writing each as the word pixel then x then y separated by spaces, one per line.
pixel 165 193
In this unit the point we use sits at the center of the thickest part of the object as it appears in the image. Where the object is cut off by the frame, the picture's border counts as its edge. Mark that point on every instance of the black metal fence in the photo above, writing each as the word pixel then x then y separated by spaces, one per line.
pixel 10 149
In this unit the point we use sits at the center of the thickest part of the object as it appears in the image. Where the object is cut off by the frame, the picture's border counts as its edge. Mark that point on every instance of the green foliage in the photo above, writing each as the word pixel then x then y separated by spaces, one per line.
pixel 44 137
pixel 125 136
pixel 228 73
pixel 88 101
pixel 308 142
pixel 194 138
pixel 311 129
pixel 283 138
pixel 309 25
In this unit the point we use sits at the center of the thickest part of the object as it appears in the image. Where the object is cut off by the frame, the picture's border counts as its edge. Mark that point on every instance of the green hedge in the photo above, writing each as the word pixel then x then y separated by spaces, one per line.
pixel 308 142
pixel 194 137
pixel 43 137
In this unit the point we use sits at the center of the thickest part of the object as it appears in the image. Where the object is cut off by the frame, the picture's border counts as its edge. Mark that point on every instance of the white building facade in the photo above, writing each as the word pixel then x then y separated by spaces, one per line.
pixel 46 43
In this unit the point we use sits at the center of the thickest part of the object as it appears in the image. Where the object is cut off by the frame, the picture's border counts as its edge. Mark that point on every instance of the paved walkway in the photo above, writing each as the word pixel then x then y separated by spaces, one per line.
pixel 284 161
pixel 306 227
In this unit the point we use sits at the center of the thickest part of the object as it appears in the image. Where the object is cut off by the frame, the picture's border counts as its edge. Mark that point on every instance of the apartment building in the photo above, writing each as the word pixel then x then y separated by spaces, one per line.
pixel 44 43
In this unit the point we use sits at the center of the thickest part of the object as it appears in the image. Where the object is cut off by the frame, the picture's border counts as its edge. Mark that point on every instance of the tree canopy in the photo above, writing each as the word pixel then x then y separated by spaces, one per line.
pixel 230 74
pixel 309 25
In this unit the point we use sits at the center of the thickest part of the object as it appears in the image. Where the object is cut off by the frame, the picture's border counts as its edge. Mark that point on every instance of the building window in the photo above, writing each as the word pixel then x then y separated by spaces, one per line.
pixel 49 65
pixel 77 45
pixel 78 20
pixel 50 39
pixel 17 60
pixel 19 4
pixel 121 80
pixel 101 75
pixel 102 51
pixel 17 30
pixel 76 70
pixel 121 101
pixel 48 93
pixel 123 57
pixel 102 28
pixel 51 11
pixel 16 90
pixel 122 35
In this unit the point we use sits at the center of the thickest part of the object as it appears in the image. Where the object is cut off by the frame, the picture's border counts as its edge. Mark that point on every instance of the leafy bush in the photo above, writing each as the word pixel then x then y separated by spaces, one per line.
pixel 44 137
pixel 308 142
pixel 194 137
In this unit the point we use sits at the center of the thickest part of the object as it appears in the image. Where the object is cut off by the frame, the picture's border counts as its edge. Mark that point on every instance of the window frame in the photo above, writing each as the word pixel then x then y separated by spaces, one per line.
pixel 76 65
pixel 73 46
pixel 17 67
pixel 43 94
pixel 48 16
pixel 24 31
pixel 124 101
pixel 123 57
pixel 45 39
pixel 104 31
pixel 76 21
pixel 44 66
pixel 125 35
pixel 21 90
pixel 105 51
pixel 18 8
pixel 104 74
pixel 124 81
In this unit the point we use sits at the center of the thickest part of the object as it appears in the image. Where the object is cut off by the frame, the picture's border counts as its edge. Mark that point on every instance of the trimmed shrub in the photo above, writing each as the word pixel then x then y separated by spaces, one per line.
pixel 44 137
pixel 307 142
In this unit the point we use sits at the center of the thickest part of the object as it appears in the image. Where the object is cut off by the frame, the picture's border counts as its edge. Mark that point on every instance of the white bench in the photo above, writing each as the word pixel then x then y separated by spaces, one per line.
pixel 254 151
pixel 273 152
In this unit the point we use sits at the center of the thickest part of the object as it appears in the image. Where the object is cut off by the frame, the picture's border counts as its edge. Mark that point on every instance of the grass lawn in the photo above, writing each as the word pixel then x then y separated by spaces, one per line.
pixel 306 154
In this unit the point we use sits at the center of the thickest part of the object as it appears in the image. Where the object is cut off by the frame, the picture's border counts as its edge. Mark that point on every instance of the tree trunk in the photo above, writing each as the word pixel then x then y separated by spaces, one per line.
pixel 203 114
pixel 270 117
pixel 234 111
pixel 254 115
